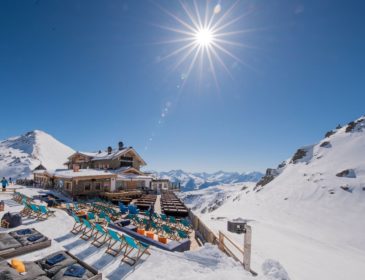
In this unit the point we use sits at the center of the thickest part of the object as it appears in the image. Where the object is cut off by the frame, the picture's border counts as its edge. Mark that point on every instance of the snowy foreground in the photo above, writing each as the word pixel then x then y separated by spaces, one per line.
pixel 310 217
pixel 205 263
pixel 310 241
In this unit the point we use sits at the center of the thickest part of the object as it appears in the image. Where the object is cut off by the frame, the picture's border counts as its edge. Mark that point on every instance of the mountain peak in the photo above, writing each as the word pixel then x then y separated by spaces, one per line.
pixel 21 154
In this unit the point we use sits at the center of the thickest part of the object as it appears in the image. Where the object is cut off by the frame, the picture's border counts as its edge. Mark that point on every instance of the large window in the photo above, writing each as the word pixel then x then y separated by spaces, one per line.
pixel 87 187
pixel 97 186
pixel 126 161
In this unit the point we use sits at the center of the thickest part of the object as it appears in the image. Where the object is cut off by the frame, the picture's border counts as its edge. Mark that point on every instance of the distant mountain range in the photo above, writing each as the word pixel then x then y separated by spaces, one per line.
pixel 201 180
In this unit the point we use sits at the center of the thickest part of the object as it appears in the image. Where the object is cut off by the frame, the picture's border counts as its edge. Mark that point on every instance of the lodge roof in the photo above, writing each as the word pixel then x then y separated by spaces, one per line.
pixel 70 173
pixel 104 155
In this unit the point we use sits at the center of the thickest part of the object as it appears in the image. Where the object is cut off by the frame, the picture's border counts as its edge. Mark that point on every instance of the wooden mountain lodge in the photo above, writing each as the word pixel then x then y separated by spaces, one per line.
pixel 92 173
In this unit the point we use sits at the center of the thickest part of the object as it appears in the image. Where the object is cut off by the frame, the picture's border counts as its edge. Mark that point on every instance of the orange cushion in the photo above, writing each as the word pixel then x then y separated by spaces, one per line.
pixel 150 234
pixel 141 231
pixel 18 265
pixel 162 239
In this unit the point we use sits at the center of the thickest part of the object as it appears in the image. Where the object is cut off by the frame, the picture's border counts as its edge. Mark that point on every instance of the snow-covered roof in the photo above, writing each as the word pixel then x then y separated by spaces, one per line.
pixel 70 173
pixel 130 176
pixel 104 155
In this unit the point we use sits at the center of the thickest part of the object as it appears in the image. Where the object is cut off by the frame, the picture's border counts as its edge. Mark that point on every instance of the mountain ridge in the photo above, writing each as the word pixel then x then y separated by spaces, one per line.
pixel 201 180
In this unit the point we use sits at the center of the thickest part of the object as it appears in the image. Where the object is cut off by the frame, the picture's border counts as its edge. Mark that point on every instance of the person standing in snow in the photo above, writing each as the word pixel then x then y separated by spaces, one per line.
pixel 4 183
pixel 10 181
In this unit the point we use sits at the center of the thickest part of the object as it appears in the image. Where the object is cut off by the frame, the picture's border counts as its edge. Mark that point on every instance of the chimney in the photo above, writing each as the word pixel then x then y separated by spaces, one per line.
pixel 120 145
pixel 109 150
pixel 76 168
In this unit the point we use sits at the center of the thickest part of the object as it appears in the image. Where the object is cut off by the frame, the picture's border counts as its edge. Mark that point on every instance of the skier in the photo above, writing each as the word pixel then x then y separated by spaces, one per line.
pixel 4 183
pixel 10 181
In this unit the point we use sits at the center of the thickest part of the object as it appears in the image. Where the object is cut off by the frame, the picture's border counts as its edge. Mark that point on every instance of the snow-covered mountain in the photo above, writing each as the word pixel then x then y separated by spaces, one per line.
pixel 308 213
pixel 194 181
pixel 20 155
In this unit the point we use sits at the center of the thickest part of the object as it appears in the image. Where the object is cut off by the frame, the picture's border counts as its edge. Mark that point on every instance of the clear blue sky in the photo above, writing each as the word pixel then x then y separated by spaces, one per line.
pixel 90 73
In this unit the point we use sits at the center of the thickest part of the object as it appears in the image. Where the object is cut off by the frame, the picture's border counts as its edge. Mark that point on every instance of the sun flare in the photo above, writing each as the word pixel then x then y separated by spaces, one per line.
pixel 204 37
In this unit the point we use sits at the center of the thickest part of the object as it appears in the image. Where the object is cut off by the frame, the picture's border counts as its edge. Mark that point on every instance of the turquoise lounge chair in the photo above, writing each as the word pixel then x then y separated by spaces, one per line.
pixel 101 236
pixel 77 228
pixel 45 213
pixel 168 231
pixel 91 216
pixel 115 238
pixel 35 211
pixel 182 234
pixel 133 245
pixel 88 230
pixel 185 225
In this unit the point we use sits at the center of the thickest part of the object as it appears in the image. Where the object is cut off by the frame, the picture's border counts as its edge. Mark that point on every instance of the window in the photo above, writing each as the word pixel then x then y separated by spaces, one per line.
pixel 98 186
pixel 87 187
pixel 68 186
pixel 126 161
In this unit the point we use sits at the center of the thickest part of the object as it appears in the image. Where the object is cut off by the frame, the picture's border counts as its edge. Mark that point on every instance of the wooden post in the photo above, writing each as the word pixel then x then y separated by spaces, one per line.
pixel 247 248
pixel 221 241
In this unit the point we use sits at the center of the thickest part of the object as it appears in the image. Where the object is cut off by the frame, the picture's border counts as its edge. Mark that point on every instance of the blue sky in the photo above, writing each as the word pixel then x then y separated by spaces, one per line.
pixel 92 72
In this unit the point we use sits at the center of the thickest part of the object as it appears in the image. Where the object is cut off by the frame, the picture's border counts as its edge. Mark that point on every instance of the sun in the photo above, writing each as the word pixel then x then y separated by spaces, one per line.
pixel 204 37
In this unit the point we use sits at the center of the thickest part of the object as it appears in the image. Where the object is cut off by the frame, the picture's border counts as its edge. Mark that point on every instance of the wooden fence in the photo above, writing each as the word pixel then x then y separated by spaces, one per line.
pixel 224 243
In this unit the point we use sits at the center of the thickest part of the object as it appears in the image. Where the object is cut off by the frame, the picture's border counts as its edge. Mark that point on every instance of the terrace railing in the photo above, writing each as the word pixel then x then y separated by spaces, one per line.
pixel 241 254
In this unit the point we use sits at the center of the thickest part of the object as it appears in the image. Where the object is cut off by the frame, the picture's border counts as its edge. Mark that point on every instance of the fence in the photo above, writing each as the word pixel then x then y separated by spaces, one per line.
pixel 201 230
pixel 224 243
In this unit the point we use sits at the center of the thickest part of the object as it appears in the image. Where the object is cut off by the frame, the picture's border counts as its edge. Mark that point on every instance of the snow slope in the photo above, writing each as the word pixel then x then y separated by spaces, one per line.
pixel 308 213
pixel 201 180
pixel 20 155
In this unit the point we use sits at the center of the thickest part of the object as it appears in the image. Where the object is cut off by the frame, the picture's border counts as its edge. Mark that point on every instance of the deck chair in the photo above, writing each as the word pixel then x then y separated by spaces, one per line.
pixel 133 210
pixel 131 216
pixel 77 228
pixel 172 221
pixel 45 213
pixel 115 238
pixel 163 217
pixel 101 236
pixel 168 231
pixel 145 223
pixel 102 215
pixel 35 213
pixel 107 221
pixel 123 209
pixel 182 234
pixel 154 227
pixel 88 230
pixel 91 216
pixel 185 225
pixel 133 245
pixel 26 211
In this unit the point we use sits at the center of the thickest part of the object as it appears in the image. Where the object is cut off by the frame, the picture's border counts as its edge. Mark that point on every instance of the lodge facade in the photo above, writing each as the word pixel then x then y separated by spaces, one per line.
pixel 89 174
